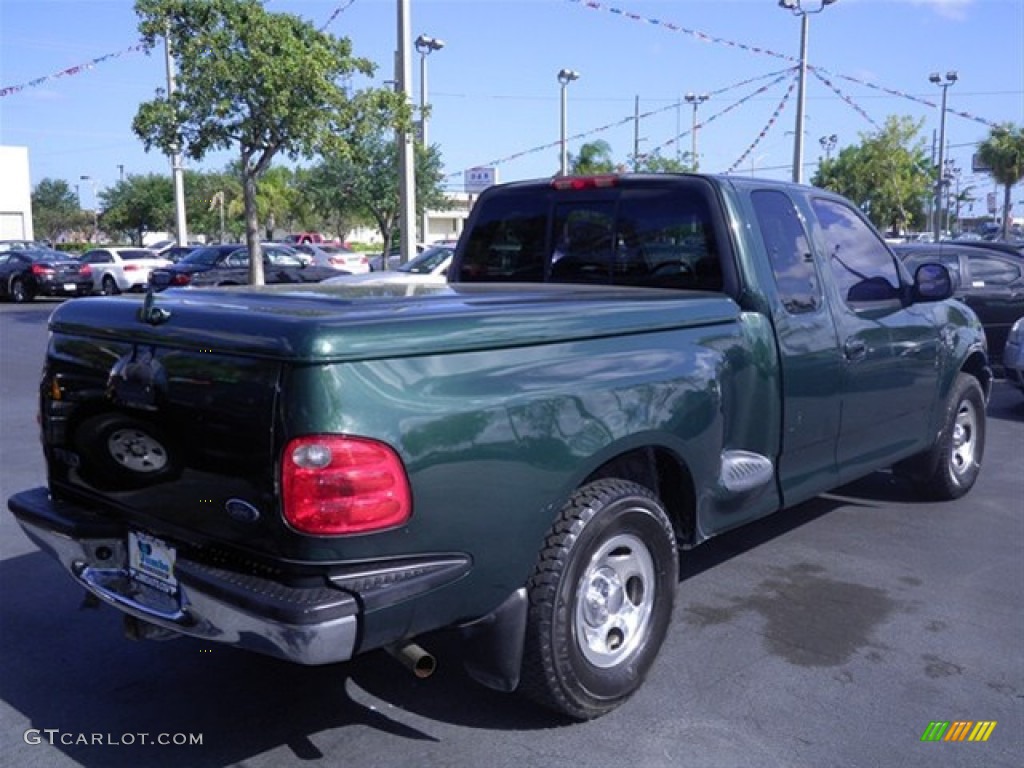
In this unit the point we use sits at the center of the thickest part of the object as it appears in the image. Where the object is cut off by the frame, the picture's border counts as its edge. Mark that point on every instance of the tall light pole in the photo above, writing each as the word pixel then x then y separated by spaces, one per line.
pixel 797 9
pixel 425 45
pixel 177 172
pixel 696 100
pixel 951 77
pixel 827 144
pixel 406 155
pixel 565 76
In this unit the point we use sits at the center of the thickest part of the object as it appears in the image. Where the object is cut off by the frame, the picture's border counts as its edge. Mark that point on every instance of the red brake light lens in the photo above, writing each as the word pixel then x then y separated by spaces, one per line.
pixel 181 278
pixel 334 485
pixel 85 271
pixel 576 183
pixel 42 269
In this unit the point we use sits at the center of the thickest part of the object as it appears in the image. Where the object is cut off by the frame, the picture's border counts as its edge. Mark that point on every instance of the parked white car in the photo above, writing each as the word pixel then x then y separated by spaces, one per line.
pixel 431 266
pixel 115 270
pixel 336 257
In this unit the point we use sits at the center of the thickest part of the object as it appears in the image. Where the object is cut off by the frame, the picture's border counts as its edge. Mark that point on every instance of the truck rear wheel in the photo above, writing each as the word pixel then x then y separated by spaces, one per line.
pixel 601 599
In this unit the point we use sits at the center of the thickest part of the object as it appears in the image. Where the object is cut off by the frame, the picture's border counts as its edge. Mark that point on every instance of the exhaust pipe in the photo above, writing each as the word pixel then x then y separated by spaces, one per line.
pixel 414 658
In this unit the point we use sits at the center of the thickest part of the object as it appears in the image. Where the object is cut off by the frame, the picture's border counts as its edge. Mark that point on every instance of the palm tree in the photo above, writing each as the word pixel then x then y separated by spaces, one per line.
pixel 1003 153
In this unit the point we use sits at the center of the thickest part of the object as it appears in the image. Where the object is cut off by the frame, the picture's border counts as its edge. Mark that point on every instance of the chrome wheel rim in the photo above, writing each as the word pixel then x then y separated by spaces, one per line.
pixel 136 450
pixel 614 601
pixel 965 439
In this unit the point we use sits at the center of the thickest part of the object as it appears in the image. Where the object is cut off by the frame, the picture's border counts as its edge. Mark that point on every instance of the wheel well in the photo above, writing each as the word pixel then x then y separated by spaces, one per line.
pixel 667 476
pixel 976 366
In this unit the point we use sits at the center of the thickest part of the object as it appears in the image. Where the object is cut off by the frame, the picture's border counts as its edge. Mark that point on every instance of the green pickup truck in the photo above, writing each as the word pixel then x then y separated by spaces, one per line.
pixel 618 368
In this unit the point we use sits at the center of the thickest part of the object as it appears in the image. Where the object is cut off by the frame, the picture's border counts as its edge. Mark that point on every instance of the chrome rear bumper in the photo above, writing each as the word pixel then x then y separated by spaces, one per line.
pixel 316 625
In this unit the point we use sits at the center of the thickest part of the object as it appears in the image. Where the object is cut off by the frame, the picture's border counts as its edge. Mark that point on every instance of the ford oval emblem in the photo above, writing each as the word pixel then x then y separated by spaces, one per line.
pixel 241 511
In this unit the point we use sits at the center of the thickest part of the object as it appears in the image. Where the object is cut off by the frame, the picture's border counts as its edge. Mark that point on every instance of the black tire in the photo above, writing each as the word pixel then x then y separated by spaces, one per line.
pixel 950 467
pixel 124 452
pixel 612 543
pixel 20 292
pixel 109 286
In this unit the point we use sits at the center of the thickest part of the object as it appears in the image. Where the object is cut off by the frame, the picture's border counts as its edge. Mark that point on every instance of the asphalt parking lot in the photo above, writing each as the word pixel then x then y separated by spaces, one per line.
pixel 832 634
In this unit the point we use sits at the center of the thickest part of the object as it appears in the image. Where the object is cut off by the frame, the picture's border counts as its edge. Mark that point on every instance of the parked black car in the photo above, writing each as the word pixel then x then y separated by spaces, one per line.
pixel 989 280
pixel 200 260
pixel 25 274
pixel 229 265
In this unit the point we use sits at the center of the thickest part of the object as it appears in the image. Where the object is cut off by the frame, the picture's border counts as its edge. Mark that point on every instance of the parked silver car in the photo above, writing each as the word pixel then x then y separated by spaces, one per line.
pixel 115 270
pixel 1013 355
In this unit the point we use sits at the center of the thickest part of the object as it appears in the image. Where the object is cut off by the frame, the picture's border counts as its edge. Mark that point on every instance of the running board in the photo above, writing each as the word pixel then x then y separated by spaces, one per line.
pixel 744 471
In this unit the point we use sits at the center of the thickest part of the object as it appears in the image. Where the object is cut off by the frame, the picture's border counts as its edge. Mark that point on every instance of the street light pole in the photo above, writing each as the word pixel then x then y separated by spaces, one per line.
pixel 565 76
pixel 425 45
pixel 406 156
pixel 828 143
pixel 696 100
pixel 177 172
pixel 797 9
pixel 951 77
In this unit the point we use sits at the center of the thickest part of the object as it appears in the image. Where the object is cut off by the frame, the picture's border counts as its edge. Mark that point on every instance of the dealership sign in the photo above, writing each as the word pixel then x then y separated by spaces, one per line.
pixel 479 179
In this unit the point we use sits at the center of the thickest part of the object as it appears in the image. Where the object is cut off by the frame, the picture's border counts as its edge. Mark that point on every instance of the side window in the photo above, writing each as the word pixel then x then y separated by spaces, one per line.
pixel 986 271
pixel 862 267
pixel 789 252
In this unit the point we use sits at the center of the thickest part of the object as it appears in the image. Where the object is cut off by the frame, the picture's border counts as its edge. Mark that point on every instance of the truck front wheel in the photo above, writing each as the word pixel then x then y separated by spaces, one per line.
pixel 950 467
pixel 601 599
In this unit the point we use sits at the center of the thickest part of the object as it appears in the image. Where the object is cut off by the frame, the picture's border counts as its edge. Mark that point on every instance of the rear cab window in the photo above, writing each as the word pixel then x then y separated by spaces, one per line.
pixel 634 232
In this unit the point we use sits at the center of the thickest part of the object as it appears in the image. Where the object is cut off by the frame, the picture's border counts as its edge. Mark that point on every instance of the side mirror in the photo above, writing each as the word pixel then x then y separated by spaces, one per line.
pixel 932 282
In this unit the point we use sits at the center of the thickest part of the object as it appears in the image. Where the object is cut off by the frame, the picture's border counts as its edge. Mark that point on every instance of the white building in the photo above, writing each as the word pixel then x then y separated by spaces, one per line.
pixel 15 195
pixel 441 225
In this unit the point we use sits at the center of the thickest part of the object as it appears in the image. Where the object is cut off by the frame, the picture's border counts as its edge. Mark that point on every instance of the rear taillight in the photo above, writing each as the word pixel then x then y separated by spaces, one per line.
pixel 85 271
pixel 584 182
pixel 335 485
pixel 131 267
pixel 181 278
pixel 42 269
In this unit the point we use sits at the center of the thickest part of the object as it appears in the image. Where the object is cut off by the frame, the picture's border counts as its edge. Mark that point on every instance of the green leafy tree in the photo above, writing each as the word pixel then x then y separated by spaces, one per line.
pixel 363 185
pixel 655 162
pixel 888 175
pixel 138 204
pixel 261 83
pixel 594 157
pixel 1003 153
pixel 55 209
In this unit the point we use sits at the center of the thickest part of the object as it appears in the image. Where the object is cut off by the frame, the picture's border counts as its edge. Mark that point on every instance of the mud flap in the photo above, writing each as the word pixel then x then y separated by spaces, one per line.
pixel 493 645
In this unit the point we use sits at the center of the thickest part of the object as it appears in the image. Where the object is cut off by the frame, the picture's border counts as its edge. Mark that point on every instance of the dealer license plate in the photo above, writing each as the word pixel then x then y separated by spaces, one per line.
pixel 151 561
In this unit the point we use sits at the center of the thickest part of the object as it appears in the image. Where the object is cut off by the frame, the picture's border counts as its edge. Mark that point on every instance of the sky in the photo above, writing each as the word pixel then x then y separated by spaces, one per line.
pixel 71 80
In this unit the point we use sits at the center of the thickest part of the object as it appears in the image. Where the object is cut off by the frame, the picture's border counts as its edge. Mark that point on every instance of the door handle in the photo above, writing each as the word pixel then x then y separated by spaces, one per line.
pixel 855 349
